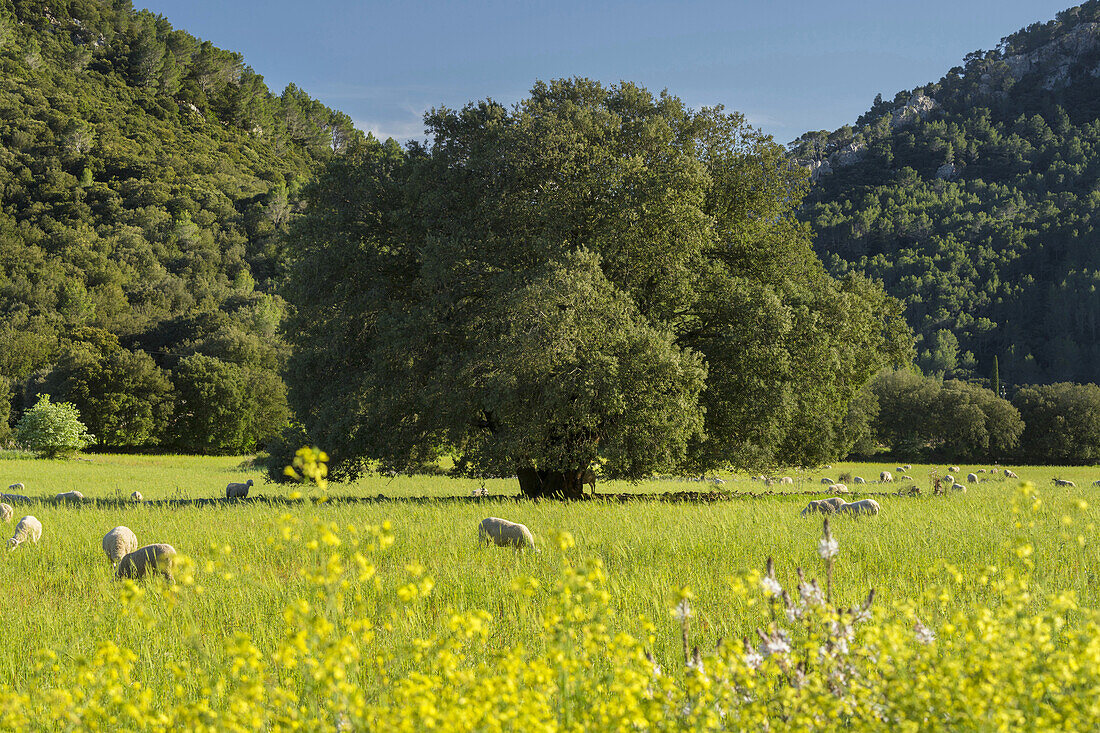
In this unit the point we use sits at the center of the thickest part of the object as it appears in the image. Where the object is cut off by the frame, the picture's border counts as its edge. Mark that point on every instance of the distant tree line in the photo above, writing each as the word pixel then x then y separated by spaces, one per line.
pixel 924 418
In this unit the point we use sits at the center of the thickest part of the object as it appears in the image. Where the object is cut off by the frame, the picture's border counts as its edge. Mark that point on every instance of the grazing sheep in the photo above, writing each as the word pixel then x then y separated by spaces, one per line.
pixel 949 479
pixel 1096 483
pixel 17 487
pixel 28 528
pixel 981 470
pixel 6 512
pixel 971 478
pixel 827 481
pixel 886 477
pixel 147 560
pixel 136 496
pixel 786 480
pixel 907 478
pixel 69 496
pixel 959 487
pixel 954 469
pixel 238 491
pixel 863 506
pixel 480 492
pixel 838 488
pixel 908 466
pixel 118 543
pixel 589 477
pixel 504 533
pixel 1063 482
pixel 859 480
pixel 1010 474
pixel 825 506
pixel 901 469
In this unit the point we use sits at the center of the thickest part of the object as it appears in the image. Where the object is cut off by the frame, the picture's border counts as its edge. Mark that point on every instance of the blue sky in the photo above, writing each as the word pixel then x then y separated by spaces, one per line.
pixel 789 66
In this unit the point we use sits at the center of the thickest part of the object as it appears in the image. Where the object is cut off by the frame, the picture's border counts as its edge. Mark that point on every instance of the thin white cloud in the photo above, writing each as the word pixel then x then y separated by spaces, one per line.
pixel 397 129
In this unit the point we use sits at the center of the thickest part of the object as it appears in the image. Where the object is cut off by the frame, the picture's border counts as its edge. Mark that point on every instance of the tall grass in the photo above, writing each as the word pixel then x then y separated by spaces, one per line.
pixel 60 594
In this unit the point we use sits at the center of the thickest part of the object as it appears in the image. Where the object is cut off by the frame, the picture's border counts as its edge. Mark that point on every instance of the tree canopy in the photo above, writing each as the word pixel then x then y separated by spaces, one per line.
pixel 598 275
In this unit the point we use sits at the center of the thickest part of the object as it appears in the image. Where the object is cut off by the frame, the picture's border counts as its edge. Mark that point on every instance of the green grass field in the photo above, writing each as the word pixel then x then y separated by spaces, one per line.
pixel 932 551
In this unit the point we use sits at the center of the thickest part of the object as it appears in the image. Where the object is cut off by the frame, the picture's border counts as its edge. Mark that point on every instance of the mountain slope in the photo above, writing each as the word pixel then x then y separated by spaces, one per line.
pixel 145 179
pixel 976 199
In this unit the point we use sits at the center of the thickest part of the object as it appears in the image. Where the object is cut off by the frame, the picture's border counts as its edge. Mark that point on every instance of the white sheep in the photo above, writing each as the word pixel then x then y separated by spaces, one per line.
pixel 981 470
pixel 147 560
pixel 949 479
pixel 907 478
pixel 69 496
pixel 136 496
pixel 859 480
pixel 28 528
pixel 886 477
pixel 118 543
pixel 6 512
pixel 1010 474
pixel 863 506
pixel 1064 482
pixel 504 533
pixel 954 469
pixel 825 506
pixel 786 480
pixel 826 481
pixel 901 469
pixel 238 491
pixel 17 487
pixel 908 467
pixel 838 488
pixel 961 488
pixel 971 478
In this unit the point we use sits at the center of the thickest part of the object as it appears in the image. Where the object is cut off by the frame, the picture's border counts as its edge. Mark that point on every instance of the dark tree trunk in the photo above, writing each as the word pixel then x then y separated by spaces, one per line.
pixel 550 484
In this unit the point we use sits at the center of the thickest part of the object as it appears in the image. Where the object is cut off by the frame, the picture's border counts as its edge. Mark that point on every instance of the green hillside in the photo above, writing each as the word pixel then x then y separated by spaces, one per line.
pixel 976 200
pixel 146 178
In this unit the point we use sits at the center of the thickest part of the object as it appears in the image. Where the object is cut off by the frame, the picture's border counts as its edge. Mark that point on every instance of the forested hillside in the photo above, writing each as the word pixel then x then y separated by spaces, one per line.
pixel 976 199
pixel 146 177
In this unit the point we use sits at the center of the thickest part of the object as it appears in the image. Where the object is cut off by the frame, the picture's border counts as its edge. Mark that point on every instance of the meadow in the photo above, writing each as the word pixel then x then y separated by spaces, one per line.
pixel 412 569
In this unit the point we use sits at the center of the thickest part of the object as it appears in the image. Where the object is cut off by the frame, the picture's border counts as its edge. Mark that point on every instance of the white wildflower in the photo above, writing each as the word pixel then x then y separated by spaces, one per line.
pixel 771 586
pixel 828 548
pixel 753 660
pixel 683 610
pixel 923 633
pixel 696 663
pixel 811 594
pixel 777 643
pixel 862 615
pixel 793 613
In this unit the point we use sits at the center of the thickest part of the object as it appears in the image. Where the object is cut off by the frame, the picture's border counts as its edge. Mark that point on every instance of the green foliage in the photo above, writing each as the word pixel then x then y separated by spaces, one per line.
pixel 224 408
pixel 123 397
pixel 596 275
pixel 952 421
pixel 147 177
pixel 995 256
pixel 1063 423
pixel 5 411
pixel 52 429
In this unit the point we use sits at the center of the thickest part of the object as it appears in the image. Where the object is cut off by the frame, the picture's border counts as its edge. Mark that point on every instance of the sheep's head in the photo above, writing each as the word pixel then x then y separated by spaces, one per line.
pixel 249 482
pixel 13 543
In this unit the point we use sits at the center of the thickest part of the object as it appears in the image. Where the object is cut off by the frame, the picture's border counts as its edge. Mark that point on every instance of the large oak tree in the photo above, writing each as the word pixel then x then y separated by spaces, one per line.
pixel 597 275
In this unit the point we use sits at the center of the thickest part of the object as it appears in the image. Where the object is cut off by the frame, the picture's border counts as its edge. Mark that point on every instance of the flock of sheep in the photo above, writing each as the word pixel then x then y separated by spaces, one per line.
pixel 121 544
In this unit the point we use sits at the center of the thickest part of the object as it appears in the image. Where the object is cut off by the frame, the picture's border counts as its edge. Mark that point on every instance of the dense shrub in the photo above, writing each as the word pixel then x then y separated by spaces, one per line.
pixel 1062 423
pixel 924 418
pixel 52 429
